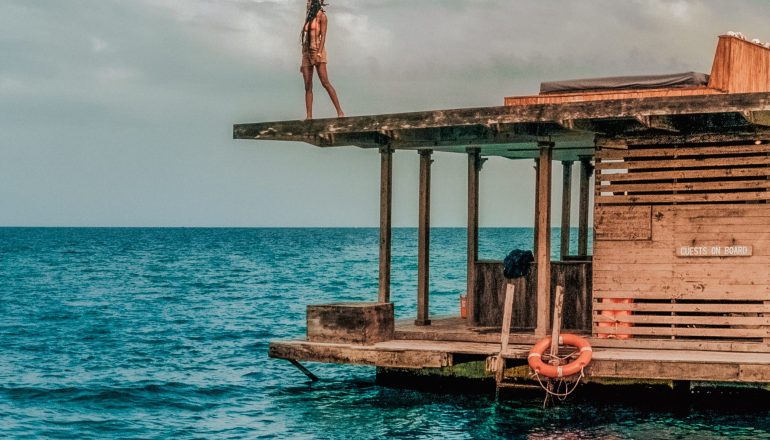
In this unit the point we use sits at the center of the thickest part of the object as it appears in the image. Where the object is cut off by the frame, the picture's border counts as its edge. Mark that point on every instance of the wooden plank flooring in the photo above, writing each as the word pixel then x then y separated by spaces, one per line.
pixel 301 350
pixel 439 344
pixel 703 357
pixel 607 363
pixel 395 353
pixel 456 329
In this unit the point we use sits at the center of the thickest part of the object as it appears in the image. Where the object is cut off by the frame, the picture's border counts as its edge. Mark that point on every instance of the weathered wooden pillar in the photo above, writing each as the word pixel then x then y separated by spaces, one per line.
pixel 386 202
pixel 586 169
pixel 474 167
pixel 423 240
pixel 543 246
pixel 566 204
pixel 537 197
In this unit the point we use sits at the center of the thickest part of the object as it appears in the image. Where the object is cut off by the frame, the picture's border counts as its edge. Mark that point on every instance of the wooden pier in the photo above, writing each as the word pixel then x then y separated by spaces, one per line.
pixel 449 342
pixel 676 287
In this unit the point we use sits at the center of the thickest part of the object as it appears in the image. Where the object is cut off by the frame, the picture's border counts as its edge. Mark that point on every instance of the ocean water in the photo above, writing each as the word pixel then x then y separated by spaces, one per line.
pixel 163 333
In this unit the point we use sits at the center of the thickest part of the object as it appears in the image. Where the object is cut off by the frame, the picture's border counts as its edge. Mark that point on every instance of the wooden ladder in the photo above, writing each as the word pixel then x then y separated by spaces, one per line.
pixel 505 333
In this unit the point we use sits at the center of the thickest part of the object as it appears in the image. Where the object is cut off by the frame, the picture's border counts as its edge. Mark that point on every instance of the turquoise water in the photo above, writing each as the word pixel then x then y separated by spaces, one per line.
pixel 163 333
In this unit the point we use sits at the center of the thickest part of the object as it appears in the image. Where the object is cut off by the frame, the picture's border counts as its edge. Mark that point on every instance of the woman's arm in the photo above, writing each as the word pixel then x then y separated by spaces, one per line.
pixel 322 28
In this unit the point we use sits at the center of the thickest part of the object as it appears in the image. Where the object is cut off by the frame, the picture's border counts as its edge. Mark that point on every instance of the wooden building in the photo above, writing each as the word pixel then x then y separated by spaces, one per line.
pixel 677 286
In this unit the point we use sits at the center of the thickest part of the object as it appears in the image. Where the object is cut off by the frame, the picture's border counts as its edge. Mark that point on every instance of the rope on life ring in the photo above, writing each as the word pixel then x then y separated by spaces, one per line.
pixel 535 359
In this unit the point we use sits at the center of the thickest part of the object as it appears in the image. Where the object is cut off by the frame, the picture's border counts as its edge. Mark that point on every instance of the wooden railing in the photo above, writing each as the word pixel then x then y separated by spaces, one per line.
pixel 489 294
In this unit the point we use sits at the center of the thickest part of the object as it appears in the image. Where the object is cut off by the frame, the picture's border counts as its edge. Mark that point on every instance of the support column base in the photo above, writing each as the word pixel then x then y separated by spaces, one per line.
pixel 362 323
pixel 422 322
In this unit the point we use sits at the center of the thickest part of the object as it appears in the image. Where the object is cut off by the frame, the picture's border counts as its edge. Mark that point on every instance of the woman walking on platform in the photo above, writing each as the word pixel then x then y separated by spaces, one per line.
pixel 313 39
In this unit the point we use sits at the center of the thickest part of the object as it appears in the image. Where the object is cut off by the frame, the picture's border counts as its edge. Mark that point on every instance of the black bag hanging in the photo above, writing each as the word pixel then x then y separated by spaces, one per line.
pixel 517 263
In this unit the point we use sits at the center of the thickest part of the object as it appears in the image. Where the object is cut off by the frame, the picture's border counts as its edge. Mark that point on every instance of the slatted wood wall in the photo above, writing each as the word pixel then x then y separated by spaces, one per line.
pixel 695 173
pixel 652 200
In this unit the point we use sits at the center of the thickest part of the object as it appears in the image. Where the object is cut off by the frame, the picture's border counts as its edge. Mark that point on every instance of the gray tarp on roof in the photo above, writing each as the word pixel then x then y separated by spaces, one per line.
pixel 687 79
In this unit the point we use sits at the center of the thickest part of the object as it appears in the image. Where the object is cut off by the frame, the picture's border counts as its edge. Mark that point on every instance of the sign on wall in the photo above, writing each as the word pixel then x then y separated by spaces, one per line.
pixel 715 250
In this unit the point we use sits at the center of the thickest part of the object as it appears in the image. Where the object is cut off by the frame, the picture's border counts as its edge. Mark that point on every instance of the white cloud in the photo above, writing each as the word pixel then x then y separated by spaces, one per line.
pixel 111 74
pixel 98 45
pixel 266 32
pixel 680 10
pixel 12 86
pixel 359 34
pixel 257 30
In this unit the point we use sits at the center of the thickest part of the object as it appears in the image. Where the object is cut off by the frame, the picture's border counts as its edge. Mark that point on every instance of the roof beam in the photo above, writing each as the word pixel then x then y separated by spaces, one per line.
pixel 506 131
pixel 540 113
pixel 657 122
pixel 761 118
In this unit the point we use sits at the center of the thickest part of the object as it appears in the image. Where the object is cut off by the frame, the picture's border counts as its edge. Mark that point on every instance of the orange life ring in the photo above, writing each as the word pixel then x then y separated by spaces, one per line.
pixel 535 359
pixel 614 313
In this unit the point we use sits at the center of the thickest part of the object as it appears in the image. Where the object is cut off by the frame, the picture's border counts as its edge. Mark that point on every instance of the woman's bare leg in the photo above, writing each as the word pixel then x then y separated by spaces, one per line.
pixel 324 77
pixel 307 75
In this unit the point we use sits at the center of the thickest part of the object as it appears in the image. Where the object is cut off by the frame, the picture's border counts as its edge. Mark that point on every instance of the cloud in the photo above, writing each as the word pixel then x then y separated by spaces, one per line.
pixel 98 44
pixel 150 88
pixel 250 29
pixel 12 86
pixel 115 73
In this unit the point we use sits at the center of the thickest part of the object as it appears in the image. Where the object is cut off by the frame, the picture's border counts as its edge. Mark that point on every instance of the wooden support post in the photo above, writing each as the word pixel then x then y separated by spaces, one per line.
pixel 586 169
pixel 423 240
pixel 537 197
pixel 474 166
pixel 386 201
pixel 566 204
pixel 543 244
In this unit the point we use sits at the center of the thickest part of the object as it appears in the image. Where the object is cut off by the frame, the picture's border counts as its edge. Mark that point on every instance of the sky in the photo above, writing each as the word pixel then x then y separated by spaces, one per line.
pixel 120 112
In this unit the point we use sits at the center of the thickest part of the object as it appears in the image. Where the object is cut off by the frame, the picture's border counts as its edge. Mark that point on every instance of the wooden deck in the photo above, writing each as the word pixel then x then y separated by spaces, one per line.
pixel 394 354
pixel 449 342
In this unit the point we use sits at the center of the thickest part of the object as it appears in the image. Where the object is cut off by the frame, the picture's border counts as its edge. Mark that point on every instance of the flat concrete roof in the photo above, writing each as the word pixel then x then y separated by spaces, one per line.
pixel 514 132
